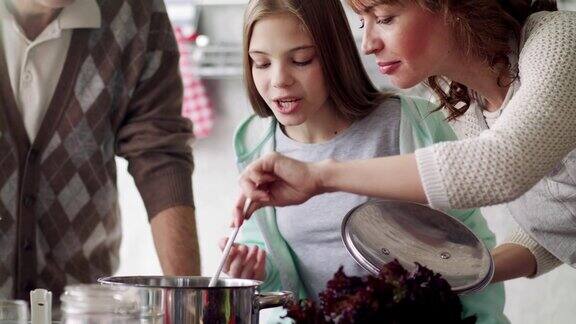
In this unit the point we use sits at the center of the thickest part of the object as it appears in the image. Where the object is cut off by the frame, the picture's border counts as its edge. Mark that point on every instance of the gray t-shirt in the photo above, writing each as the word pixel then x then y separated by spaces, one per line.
pixel 312 229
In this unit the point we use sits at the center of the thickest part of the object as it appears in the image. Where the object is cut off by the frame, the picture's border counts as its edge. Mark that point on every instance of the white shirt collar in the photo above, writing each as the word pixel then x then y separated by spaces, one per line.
pixel 79 14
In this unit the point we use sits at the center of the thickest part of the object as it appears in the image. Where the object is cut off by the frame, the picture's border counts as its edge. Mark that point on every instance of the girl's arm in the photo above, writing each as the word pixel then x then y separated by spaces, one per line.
pixel 250 236
pixel 246 262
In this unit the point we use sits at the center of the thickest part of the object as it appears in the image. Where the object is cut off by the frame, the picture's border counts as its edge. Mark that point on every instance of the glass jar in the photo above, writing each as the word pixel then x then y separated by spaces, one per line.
pixel 13 312
pixel 99 304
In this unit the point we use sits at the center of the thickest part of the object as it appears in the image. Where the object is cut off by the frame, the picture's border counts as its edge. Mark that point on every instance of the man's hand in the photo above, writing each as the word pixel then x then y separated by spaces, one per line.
pixel 176 241
pixel 244 262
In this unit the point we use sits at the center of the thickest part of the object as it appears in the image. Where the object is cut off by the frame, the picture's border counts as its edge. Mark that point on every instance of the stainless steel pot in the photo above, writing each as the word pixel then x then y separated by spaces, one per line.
pixel 189 300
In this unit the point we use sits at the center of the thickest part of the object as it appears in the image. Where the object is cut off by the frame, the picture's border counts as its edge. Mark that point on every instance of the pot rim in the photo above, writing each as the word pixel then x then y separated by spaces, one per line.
pixel 139 281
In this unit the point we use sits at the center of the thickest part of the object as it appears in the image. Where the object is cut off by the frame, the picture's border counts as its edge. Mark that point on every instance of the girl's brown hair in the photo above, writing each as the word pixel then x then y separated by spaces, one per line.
pixel 349 88
pixel 483 29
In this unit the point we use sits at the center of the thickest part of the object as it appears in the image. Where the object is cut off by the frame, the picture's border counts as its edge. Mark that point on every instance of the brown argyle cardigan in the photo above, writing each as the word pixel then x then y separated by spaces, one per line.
pixel 119 94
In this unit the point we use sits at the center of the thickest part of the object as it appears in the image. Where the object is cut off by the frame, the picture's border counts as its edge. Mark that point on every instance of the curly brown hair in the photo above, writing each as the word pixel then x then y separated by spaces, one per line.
pixel 483 29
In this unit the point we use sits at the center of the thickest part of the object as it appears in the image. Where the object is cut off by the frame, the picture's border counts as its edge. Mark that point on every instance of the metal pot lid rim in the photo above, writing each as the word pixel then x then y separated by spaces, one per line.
pixel 379 231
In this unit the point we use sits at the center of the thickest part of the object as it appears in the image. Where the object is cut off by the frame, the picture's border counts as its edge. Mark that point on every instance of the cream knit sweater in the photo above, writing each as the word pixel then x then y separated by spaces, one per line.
pixel 471 125
pixel 536 130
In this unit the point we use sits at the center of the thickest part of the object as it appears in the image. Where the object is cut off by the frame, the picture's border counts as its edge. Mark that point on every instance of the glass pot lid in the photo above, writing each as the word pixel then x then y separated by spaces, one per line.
pixel 379 231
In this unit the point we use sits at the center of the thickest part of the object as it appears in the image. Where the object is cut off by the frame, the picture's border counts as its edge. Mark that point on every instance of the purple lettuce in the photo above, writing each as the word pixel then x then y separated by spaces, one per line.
pixel 396 296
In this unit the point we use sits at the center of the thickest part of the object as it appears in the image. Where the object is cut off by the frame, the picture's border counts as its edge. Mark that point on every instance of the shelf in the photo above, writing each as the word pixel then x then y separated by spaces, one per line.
pixel 215 73
pixel 216 61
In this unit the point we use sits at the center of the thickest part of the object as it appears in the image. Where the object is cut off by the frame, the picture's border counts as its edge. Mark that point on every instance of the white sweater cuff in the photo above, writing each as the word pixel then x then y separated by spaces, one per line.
pixel 431 178
pixel 545 261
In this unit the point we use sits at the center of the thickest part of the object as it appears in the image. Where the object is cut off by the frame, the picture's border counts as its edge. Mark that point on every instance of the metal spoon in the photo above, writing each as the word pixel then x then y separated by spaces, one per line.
pixel 228 247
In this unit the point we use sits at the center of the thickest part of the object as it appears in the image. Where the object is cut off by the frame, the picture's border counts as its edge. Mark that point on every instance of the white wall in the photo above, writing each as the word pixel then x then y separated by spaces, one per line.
pixel 549 299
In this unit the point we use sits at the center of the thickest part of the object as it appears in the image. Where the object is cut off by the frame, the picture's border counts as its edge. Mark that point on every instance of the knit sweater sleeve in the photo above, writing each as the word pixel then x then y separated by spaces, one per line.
pixel 154 137
pixel 536 130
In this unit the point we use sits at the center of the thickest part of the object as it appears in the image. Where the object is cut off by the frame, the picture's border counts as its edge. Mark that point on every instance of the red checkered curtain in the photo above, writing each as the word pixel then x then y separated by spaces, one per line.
pixel 196 105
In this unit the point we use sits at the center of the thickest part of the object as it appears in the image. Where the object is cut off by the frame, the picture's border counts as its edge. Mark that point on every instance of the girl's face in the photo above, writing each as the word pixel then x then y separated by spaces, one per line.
pixel 286 69
pixel 409 43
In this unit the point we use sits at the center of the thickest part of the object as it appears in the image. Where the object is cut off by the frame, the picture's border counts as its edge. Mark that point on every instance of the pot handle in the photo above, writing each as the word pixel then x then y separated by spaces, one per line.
pixel 273 299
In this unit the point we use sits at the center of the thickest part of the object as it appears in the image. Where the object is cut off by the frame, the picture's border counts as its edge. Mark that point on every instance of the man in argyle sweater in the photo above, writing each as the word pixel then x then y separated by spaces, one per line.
pixel 82 81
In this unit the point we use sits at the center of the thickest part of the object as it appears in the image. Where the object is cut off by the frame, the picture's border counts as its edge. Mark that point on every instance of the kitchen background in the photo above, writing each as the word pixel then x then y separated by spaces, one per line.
pixel 548 299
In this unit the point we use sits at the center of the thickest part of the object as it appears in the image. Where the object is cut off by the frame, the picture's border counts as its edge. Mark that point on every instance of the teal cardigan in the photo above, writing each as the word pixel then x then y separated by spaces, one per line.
pixel 419 127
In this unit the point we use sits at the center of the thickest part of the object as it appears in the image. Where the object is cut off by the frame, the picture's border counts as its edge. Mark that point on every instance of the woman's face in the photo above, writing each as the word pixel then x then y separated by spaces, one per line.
pixel 286 69
pixel 408 42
